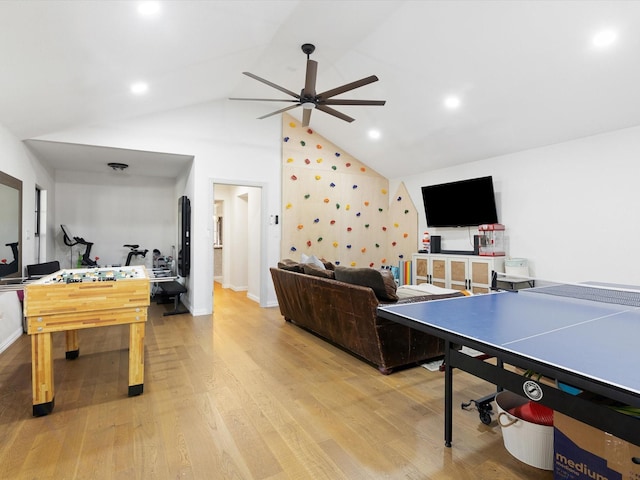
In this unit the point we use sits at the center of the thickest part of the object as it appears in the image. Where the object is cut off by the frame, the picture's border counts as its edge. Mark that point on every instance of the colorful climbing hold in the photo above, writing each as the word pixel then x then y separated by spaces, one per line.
pixel 309 131
pixel 332 185
pixel 308 243
pixel 293 177
pixel 292 124
pixel 363 249
pixel 319 160
pixel 318 146
pixel 333 167
pixel 300 226
pixel 303 143
pixel 384 191
pixel 353 264
pixel 288 206
pixel 293 249
pixel 307 196
pixel 286 139
pixel 316 220
pixel 326 200
pixel 289 160
pixel 335 244
pixel 318 177
pixel 307 161
pixel 337 154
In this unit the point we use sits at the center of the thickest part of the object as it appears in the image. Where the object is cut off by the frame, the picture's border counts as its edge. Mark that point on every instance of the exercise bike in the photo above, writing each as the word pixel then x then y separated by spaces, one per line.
pixel 134 252
pixel 86 259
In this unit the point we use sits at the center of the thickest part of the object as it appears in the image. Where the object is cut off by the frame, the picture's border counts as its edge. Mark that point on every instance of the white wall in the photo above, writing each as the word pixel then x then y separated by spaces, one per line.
pixel 572 209
pixel 112 210
pixel 17 161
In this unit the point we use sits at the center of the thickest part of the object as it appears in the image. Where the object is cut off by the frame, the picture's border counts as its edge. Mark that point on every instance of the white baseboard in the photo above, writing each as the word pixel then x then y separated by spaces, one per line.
pixel 12 338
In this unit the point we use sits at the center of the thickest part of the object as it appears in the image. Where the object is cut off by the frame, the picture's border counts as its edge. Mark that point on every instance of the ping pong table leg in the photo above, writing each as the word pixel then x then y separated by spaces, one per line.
pixel 448 394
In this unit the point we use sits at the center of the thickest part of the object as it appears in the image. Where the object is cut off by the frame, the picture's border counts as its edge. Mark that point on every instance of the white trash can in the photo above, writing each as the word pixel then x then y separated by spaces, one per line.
pixel 528 442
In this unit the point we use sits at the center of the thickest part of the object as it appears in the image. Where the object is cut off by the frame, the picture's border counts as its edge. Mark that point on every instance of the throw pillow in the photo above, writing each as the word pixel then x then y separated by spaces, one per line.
pixel 311 269
pixel 312 259
pixel 368 277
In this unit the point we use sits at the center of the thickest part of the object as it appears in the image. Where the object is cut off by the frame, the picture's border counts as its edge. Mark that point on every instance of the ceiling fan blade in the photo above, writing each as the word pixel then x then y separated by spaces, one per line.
pixel 271 84
pixel 335 113
pixel 353 102
pixel 306 117
pixel 310 79
pixel 279 111
pixel 264 99
pixel 347 87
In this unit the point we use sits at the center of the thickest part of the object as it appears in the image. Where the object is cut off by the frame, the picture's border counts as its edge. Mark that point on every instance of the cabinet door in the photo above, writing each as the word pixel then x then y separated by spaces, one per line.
pixel 480 275
pixel 421 274
pixel 458 273
pixel 438 272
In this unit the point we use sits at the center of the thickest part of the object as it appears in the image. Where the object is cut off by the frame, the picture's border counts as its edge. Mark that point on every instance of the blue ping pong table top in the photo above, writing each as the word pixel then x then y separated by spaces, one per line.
pixel 599 341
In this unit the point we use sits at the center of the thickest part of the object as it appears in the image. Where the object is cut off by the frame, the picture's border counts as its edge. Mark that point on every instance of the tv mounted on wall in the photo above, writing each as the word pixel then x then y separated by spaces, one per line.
pixel 464 203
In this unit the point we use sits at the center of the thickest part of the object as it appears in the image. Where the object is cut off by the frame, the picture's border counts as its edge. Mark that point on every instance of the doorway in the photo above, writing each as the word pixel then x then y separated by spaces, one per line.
pixel 237 238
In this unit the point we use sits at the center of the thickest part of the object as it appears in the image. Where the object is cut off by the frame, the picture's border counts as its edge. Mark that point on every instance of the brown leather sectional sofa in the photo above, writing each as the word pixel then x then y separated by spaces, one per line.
pixel 345 315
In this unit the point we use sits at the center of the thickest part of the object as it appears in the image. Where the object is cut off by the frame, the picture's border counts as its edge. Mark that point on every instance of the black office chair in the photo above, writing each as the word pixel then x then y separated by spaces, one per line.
pixel 38 270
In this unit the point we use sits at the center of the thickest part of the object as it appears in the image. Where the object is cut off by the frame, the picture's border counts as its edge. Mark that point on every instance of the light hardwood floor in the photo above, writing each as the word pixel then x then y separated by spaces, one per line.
pixel 239 395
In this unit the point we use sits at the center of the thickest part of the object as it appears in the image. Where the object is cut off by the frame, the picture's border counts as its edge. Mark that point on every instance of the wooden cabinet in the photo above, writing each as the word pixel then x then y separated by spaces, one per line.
pixel 459 272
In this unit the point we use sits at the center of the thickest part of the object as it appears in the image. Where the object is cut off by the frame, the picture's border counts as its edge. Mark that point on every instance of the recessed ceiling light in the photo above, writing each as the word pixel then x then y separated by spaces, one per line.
pixel 452 102
pixel 374 134
pixel 148 9
pixel 139 88
pixel 604 38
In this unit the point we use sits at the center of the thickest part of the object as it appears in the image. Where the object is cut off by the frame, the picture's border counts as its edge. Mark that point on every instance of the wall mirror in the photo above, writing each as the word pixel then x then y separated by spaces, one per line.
pixel 10 226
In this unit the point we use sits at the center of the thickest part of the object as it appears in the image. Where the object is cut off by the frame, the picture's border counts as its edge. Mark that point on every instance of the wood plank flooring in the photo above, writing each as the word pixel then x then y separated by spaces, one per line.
pixel 239 395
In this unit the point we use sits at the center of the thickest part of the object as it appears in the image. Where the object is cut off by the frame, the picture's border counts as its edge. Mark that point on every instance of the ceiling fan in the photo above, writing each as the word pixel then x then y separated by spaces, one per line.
pixel 309 99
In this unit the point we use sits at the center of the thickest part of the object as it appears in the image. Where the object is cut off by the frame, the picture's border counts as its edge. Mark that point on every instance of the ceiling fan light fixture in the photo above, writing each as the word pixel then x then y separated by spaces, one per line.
pixel 308 105
pixel 117 166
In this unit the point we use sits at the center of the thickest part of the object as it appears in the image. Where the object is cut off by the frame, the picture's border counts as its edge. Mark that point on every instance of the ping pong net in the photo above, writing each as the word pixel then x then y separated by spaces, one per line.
pixel 603 293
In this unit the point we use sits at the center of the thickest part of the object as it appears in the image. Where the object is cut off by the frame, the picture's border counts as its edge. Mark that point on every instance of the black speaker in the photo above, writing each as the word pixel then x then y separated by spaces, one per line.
pixel 476 244
pixel 436 243
pixel 184 236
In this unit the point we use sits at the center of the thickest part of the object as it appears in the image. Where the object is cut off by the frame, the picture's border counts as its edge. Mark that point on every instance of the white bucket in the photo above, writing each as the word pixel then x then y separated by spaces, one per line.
pixel 516 266
pixel 528 442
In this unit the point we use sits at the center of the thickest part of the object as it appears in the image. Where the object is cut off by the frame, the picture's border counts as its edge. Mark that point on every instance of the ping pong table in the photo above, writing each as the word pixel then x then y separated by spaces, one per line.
pixel 586 336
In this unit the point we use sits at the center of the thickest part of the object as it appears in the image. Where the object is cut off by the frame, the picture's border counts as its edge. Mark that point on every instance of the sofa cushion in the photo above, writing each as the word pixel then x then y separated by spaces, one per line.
pixel 380 281
pixel 291 265
pixel 311 269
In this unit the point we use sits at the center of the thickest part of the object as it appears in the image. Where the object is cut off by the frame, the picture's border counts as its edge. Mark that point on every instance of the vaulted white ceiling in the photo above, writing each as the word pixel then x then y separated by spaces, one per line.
pixel 526 72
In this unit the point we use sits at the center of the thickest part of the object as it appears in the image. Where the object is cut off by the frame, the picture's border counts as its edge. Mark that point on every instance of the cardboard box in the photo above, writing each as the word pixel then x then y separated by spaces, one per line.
pixel 584 452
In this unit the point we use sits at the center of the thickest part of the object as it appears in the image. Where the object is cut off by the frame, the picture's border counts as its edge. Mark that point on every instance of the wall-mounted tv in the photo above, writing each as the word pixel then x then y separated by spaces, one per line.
pixel 464 203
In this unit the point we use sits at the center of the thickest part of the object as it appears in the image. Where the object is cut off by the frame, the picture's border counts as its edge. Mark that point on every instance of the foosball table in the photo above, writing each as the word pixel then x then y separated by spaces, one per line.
pixel 74 299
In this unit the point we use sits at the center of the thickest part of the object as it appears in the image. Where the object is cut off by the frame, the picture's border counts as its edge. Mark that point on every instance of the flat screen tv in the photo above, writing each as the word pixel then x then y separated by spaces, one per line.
pixel 464 203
